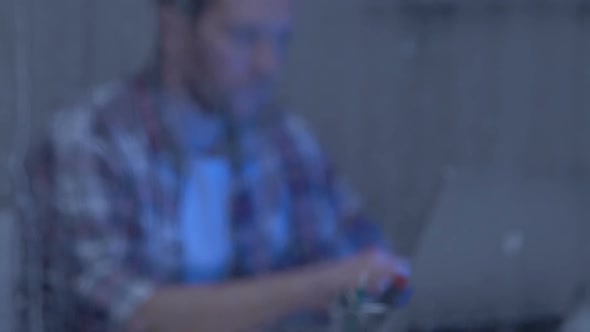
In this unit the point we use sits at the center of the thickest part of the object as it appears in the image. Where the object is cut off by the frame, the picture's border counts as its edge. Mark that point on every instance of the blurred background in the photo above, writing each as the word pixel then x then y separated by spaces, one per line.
pixel 464 123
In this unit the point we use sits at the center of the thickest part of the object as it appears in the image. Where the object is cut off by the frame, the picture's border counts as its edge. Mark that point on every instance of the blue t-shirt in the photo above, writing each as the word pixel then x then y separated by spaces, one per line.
pixel 206 228
pixel 206 220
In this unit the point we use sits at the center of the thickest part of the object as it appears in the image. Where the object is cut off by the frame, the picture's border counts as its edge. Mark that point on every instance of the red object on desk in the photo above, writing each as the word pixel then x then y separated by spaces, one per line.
pixel 400 283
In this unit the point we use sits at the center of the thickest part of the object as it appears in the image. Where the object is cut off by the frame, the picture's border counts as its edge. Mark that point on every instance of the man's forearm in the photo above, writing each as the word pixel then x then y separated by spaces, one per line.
pixel 241 305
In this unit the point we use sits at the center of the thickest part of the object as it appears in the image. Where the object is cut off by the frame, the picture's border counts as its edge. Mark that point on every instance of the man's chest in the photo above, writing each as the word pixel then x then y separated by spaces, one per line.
pixel 194 225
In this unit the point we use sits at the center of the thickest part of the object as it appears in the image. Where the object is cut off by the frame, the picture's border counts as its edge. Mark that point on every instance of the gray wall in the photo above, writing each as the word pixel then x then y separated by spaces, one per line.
pixel 401 92
pixel 463 84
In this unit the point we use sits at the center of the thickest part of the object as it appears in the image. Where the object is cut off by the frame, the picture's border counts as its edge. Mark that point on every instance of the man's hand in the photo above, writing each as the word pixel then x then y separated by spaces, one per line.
pixel 376 269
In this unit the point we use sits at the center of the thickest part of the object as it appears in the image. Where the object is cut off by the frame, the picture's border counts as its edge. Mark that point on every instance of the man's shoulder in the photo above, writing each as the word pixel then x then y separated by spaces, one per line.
pixel 94 116
pixel 297 133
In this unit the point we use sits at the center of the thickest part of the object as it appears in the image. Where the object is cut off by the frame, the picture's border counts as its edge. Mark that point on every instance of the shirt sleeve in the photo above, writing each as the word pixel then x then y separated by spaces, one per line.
pixel 88 224
pixel 355 229
pixel 351 229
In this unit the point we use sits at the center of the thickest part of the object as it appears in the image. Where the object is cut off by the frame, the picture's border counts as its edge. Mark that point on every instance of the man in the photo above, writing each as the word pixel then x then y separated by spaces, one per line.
pixel 183 200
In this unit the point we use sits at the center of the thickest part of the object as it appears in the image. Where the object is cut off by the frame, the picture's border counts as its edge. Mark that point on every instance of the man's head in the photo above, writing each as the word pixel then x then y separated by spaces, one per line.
pixel 227 53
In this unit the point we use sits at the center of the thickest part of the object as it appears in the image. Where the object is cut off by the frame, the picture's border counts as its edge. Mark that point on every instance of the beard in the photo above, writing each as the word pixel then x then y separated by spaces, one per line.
pixel 241 104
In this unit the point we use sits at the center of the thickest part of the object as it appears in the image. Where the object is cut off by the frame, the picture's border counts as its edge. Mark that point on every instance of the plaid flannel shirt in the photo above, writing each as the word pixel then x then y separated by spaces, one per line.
pixel 102 222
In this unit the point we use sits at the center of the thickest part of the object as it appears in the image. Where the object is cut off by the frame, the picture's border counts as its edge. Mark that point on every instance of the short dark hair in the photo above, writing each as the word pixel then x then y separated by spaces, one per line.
pixel 192 8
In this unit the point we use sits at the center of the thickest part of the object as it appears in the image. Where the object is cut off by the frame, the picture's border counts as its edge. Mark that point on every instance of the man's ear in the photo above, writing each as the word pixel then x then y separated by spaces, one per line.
pixel 172 19
pixel 174 36
pixel 174 29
